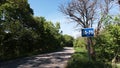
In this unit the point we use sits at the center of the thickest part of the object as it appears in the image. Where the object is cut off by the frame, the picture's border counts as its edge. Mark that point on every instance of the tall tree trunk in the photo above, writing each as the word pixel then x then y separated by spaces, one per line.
pixel 91 49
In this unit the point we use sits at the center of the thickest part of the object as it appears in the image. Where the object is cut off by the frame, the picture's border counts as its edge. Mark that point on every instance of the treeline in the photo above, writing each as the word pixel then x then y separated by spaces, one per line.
pixel 22 34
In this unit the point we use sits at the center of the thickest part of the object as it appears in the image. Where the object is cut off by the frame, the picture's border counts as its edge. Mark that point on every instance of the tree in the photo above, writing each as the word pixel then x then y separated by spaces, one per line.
pixel 17 10
pixel 105 7
pixel 84 13
pixel 68 40
pixel 2 1
pixel 22 34
pixel 118 1
pixel 80 11
pixel 107 44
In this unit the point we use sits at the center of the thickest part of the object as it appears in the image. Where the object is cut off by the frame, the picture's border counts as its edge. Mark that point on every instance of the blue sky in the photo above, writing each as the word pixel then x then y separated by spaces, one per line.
pixel 50 10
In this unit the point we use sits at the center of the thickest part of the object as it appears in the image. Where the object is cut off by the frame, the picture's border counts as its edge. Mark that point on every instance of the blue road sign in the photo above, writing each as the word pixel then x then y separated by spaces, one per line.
pixel 87 32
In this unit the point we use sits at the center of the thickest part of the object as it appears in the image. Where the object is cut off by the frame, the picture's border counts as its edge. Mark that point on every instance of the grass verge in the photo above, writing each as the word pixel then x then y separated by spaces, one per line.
pixel 80 60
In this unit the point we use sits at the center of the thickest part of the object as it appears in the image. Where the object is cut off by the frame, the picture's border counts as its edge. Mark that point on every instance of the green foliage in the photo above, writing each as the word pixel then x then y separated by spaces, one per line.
pixel 107 43
pixel 22 34
pixel 80 49
pixel 68 40
pixel 79 42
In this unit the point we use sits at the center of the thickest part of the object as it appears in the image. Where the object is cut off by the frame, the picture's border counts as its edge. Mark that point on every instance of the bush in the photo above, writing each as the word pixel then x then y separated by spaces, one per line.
pixel 107 43
pixel 68 40
pixel 79 42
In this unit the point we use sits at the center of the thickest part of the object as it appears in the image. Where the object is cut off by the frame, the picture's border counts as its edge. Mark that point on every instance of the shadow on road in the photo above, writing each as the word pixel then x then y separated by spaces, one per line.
pixel 50 60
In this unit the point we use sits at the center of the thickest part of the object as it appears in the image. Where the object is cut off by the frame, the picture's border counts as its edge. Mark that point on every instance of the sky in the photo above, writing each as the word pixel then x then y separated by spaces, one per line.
pixel 50 10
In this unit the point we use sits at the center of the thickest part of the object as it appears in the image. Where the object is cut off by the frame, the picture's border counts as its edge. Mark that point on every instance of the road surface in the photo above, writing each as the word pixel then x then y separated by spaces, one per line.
pixel 49 60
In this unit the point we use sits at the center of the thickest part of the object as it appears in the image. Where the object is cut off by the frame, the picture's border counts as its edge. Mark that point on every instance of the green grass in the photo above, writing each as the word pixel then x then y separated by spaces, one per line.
pixel 80 60
pixel 78 49
pixel 118 65
pixel 115 65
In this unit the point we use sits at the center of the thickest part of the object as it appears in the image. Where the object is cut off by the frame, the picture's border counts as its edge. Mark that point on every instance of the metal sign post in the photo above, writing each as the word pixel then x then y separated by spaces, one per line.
pixel 88 32
pixel 88 44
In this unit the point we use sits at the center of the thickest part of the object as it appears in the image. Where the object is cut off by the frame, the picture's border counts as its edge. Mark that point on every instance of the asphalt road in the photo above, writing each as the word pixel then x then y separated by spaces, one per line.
pixel 49 60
